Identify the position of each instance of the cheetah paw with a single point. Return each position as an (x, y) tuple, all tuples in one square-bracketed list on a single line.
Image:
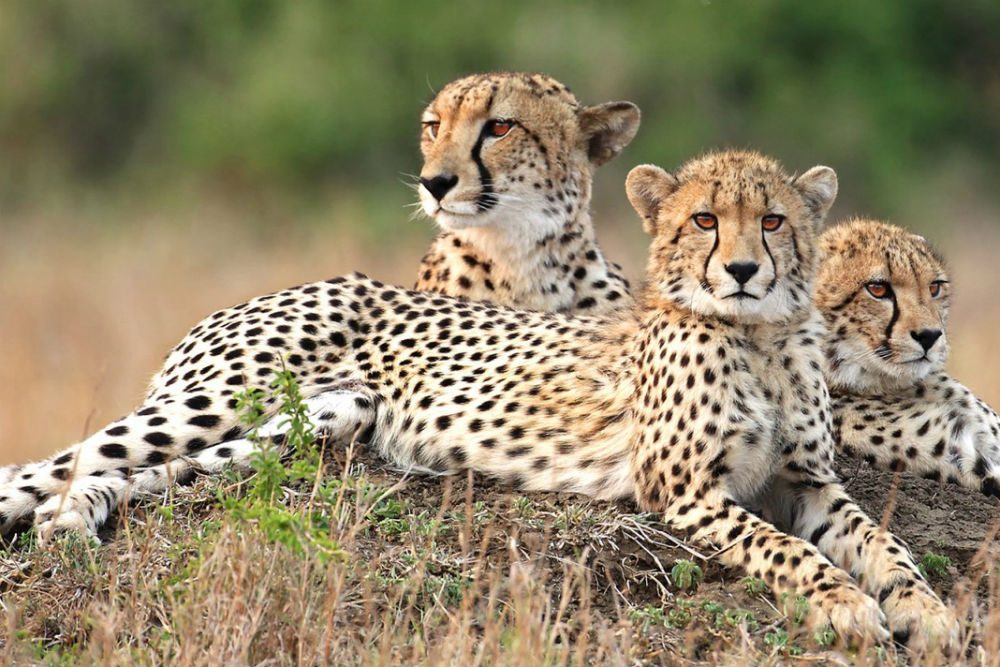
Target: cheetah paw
[(920, 621), (851, 613), (51, 521)]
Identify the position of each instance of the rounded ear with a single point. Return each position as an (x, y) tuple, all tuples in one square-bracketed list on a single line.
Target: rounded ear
[(608, 128), (819, 188), (648, 187)]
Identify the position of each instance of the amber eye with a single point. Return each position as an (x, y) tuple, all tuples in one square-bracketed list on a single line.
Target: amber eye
[(772, 222), (705, 221), (498, 128), (937, 287), (878, 289), (431, 128)]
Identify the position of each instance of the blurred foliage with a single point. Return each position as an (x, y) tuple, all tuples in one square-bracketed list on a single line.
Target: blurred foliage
[(307, 96)]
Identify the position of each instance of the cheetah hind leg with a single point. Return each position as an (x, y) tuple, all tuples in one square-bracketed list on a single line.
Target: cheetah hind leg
[(337, 415), (83, 507)]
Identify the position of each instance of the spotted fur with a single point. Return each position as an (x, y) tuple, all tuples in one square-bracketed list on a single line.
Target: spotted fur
[(514, 210), (895, 406), (708, 407)]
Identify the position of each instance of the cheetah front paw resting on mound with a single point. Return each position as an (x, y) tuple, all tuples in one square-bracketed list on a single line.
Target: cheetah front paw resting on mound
[(708, 407)]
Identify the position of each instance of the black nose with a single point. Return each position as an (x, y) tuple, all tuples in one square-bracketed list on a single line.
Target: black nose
[(926, 337), (742, 271), (439, 185)]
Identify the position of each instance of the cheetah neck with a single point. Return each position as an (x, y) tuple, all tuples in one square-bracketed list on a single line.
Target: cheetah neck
[(546, 273)]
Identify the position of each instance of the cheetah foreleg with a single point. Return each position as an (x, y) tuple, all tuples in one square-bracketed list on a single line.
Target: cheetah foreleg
[(825, 515), (940, 430), (788, 564)]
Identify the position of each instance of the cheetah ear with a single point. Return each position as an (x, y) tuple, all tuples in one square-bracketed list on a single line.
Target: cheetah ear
[(608, 128), (819, 188), (648, 187)]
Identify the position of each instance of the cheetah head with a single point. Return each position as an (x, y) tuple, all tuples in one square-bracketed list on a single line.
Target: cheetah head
[(884, 294), (733, 234), (509, 148)]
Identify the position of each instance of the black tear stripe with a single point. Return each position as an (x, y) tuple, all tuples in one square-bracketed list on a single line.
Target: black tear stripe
[(704, 274), (487, 199), (774, 266), (895, 304), (892, 320)]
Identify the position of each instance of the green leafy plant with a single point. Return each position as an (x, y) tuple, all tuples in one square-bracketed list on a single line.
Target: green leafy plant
[(933, 564), (686, 575), (754, 586), (302, 530)]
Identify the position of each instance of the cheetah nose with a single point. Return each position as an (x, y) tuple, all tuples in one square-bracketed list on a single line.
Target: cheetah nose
[(926, 337), (440, 185), (742, 271)]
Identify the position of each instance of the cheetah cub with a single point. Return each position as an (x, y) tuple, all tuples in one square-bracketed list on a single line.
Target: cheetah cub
[(708, 407), (509, 160), (884, 293)]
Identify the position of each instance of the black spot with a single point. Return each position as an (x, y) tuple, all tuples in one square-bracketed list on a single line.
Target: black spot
[(65, 458), (158, 439), (198, 402), (205, 421), (155, 458), (117, 430), (231, 434), (113, 451), (196, 445)]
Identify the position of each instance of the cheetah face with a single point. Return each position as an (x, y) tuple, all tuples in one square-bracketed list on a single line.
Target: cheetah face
[(515, 152), (884, 293), (733, 234)]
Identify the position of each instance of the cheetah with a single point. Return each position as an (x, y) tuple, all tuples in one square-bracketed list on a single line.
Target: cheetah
[(507, 175), (884, 293), (708, 406)]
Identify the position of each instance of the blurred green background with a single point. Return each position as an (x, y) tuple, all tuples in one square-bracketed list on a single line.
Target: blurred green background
[(311, 106)]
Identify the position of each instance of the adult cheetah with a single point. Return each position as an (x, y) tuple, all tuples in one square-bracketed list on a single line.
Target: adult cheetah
[(708, 404), (507, 176), (884, 293)]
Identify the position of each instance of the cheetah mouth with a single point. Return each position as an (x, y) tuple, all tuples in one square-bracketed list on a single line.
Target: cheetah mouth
[(741, 295), (918, 360), (441, 210)]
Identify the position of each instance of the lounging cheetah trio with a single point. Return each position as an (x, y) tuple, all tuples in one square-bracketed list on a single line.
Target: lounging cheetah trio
[(715, 395)]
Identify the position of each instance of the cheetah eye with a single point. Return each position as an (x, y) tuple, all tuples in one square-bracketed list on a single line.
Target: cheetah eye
[(431, 128), (496, 127), (878, 289), (705, 221), (937, 288), (772, 222)]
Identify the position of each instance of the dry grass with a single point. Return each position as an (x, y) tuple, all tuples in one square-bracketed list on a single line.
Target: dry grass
[(460, 575), (428, 572)]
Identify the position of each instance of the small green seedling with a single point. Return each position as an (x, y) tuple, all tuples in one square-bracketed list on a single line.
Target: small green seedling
[(686, 575), (933, 564), (754, 586)]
